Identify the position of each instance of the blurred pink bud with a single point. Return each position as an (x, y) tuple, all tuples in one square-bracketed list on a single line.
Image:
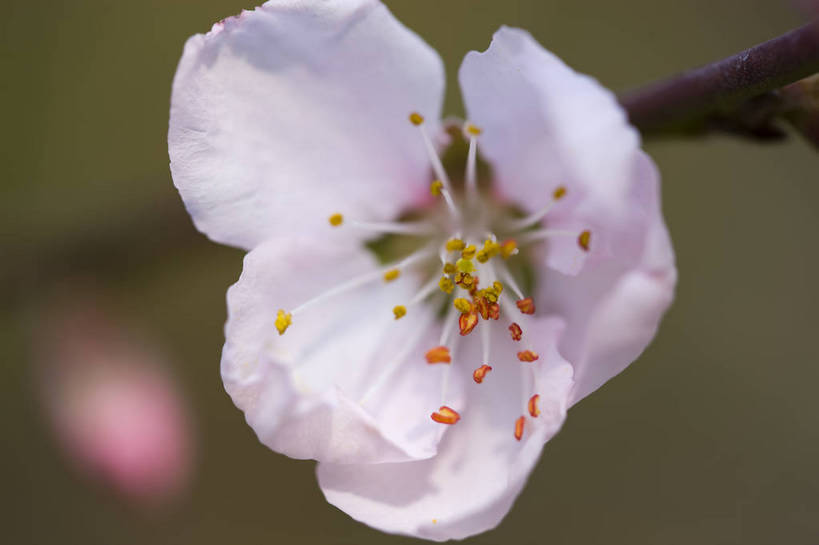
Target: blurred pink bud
[(117, 414)]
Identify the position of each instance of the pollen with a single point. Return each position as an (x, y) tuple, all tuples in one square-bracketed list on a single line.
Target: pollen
[(445, 415), (416, 119), (283, 321), (449, 268), (519, 427), (465, 280), (528, 356), (526, 306), (469, 252), (336, 220), (480, 373), (446, 285), (473, 130), (559, 193), (494, 311), (467, 322), (534, 410), (399, 311), (462, 304), (455, 245), (436, 187), (516, 331), (508, 248), (584, 239), (439, 354), (465, 265), (391, 275), (498, 286)]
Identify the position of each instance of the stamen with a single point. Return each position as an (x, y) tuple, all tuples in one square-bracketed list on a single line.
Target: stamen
[(469, 252), (436, 187), (454, 245), (283, 321), (463, 305), (519, 427), (336, 220), (399, 311), (449, 268), (465, 265), (584, 239), (391, 275), (393, 228), (446, 415), (526, 306), (534, 410), (528, 356), (439, 354), (471, 163), (516, 331), (480, 373), (364, 279), (530, 220), (437, 167), (446, 285)]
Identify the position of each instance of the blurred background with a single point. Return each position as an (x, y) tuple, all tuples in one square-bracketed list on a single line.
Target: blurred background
[(112, 305)]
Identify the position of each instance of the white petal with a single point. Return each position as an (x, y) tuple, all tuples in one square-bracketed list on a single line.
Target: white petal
[(613, 309), (480, 469), (346, 382), (547, 126), (297, 110)]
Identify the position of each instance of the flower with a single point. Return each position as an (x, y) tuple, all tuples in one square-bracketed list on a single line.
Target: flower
[(418, 331)]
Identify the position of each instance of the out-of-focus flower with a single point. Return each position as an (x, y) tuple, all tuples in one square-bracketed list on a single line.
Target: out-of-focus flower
[(420, 334), (117, 414)]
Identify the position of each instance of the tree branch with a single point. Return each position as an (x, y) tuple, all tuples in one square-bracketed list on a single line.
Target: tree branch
[(737, 94)]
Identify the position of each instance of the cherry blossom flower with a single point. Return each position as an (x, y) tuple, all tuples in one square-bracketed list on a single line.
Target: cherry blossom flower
[(419, 330)]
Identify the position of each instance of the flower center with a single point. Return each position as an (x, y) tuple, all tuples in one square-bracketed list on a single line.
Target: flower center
[(471, 248)]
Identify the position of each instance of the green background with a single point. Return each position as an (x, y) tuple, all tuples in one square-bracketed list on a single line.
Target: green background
[(711, 437)]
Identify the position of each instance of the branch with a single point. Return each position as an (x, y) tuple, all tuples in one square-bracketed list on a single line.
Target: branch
[(737, 94)]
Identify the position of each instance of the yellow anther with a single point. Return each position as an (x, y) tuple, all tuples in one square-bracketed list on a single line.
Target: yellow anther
[(584, 239), (462, 305), (482, 256), (464, 279), (436, 187), (391, 275), (559, 193), (465, 265), (455, 245), (336, 220), (446, 285), (472, 130), (449, 268), (498, 287), (416, 118), (400, 311), (508, 248), (468, 252), (490, 250), (283, 321)]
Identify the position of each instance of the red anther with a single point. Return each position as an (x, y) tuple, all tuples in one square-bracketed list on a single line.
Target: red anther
[(534, 410), (526, 306), (516, 331), (439, 354), (482, 306), (527, 355), (494, 310), (467, 322), (519, 427), (479, 373), (445, 415)]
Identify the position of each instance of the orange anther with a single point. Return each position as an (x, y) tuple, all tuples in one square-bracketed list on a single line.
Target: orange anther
[(445, 415), (416, 118), (527, 355), (519, 427), (494, 310), (479, 373), (508, 248), (584, 239), (439, 354), (516, 331), (526, 306), (467, 322), (482, 306), (534, 410)]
